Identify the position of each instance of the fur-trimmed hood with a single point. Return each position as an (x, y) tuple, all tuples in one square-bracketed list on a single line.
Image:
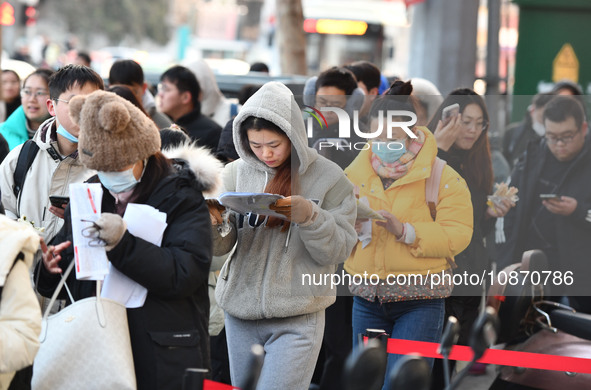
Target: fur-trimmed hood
[(203, 163)]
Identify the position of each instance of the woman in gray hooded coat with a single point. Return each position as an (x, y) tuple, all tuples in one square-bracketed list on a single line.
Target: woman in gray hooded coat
[(265, 287)]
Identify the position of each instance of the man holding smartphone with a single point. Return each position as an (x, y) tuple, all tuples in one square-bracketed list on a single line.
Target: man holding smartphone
[(555, 191), (56, 163)]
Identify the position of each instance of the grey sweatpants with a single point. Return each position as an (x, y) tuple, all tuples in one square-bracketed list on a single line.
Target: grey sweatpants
[(291, 349)]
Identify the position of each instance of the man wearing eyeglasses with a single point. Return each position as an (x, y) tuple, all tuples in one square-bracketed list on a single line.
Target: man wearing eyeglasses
[(554, 182), (55, 150)]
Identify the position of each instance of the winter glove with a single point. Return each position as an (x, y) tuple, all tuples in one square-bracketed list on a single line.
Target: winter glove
[(215, 211), (109, 228), (295, 208)]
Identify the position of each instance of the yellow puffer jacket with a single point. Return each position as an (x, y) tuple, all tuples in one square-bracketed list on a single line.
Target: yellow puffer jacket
[(405, 198)]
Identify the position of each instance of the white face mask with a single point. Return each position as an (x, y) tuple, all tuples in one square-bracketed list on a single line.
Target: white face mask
[(539, 128), (118, 182)]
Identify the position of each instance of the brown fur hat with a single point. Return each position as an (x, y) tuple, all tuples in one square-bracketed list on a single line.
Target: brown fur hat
[(113, 132)]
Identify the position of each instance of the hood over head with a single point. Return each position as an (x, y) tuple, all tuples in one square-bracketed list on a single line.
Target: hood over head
[(211, 94), (275, 103)]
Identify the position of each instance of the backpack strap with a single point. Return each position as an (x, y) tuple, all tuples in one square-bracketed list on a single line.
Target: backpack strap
[(25, 160), (432, 194)]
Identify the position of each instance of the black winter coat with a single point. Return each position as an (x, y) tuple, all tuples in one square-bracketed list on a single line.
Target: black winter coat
[(473, 259), (201, 129), (573, 232), (169, 333)]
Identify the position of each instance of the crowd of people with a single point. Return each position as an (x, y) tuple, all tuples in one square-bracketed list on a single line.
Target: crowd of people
[(388, 197)]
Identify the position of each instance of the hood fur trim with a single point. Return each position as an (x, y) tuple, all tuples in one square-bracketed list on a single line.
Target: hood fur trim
[(203, 163)]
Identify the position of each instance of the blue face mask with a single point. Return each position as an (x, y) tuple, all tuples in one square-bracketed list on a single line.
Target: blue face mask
[(64, 133), (388, 152), (118, 182)]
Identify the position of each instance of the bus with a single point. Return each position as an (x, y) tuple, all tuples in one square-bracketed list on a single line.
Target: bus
[(342, 31)]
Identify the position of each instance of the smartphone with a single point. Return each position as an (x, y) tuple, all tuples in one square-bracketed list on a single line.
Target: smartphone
[(449, 112), (58, 200), (549, 196)]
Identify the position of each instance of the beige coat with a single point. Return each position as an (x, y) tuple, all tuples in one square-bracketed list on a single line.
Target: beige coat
[(20, 316)]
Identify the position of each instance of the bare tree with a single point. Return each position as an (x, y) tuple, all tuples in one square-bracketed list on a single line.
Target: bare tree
[(291, 38)]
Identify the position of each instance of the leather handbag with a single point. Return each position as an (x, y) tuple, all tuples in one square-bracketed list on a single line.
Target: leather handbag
[(84, 346)]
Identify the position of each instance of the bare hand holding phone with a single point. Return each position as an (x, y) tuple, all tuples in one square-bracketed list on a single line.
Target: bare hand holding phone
[(449, 127), (561, 205)]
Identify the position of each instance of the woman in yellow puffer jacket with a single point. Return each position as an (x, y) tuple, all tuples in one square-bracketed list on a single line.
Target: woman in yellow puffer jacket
[(403, 263)]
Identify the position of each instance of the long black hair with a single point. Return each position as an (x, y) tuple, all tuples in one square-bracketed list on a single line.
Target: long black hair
[(156, 169)]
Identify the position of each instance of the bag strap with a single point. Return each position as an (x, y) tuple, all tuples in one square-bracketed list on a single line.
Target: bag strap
[(432, 194), (25, 160), (99, 306), (432, 186), (58, 289)]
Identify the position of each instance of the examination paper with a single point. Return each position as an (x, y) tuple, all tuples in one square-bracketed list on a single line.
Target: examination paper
[(85, 206), (149, 224), (249, 202)]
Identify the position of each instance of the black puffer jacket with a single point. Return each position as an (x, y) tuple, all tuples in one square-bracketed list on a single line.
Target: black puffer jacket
[(201, 129), (169, 333), (474, 258)]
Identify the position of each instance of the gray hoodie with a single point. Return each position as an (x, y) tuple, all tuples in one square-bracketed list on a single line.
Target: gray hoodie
[(263, 277)]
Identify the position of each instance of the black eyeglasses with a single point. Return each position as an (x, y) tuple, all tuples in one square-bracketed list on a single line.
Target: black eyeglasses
[(480, 126), (92, 232), (565, 139)]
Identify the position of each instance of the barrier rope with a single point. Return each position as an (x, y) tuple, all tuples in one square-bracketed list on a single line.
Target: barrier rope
[(493, 356)]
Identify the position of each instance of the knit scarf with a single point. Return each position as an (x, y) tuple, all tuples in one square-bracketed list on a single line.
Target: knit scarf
[(398, 168)]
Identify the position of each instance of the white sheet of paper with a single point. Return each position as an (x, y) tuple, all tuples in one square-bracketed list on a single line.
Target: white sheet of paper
[(147, 223), (85, 205), (365, 233)]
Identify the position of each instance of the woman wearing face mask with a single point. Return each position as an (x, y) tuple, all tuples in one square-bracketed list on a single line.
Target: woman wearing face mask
[(408, 246), (262, 286), (22, 124), (169, 332), (463, 142)]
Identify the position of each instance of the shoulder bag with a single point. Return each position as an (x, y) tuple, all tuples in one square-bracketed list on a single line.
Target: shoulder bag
[(84, 346)]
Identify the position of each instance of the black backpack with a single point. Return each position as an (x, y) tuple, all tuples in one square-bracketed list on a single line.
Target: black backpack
[(25, 160)]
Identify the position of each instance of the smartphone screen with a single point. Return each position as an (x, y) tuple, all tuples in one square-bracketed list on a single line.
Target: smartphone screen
[(450, 112), (549, 196)]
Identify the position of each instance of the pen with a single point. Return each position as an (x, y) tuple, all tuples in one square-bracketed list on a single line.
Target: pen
[(91, 201)]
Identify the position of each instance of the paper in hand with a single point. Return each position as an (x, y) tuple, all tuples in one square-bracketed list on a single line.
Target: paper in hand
[(365, 212), (366, 227), (89, 253), (250, 202), (149, 224)]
